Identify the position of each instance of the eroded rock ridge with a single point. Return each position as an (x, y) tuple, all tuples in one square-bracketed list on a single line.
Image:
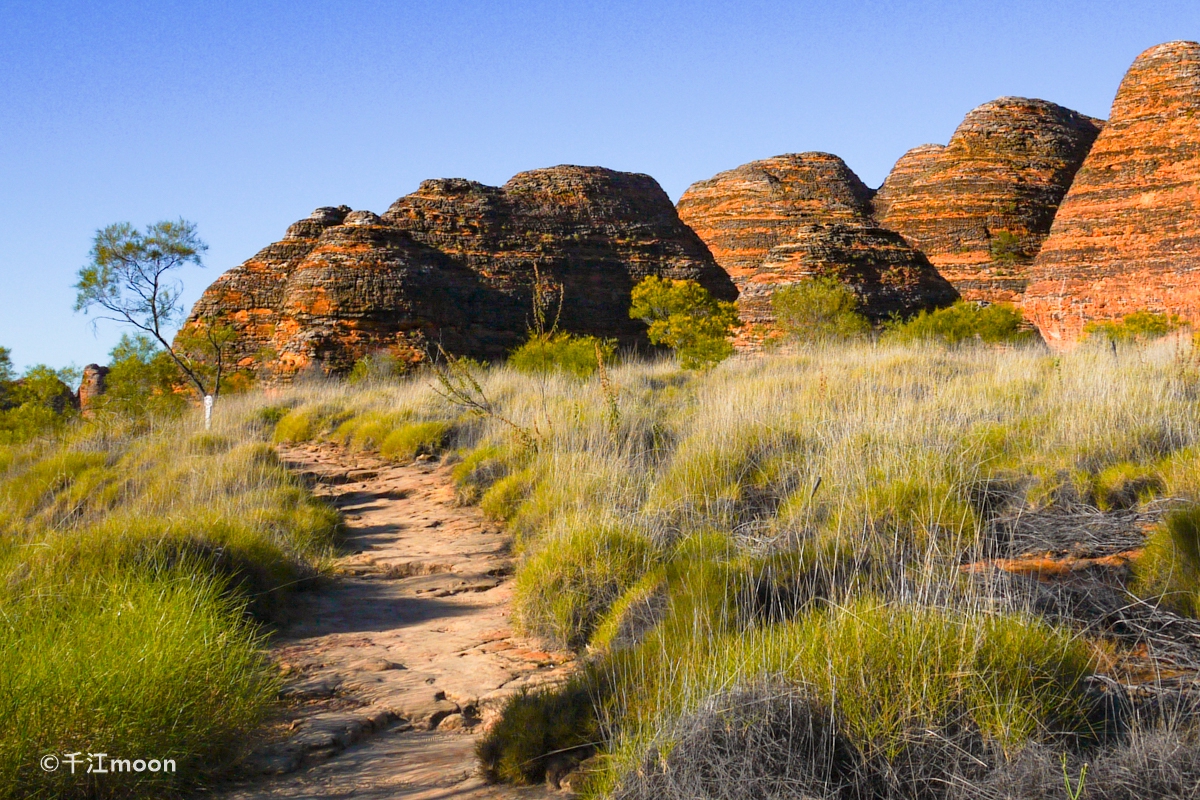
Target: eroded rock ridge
[(455, 264)]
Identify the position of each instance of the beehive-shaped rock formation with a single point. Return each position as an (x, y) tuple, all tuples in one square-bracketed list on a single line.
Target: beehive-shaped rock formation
[(888, 276), (455, 264), (782, 220), (980, 207), (1127, 236)]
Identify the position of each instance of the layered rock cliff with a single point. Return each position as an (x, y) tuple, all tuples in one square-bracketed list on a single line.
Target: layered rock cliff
[(980, 207), (455, 264), (1127, 236), (782, 220)]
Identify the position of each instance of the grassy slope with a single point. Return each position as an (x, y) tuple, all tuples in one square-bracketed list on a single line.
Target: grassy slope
[(856, 475), (773, 520), (131, 553)]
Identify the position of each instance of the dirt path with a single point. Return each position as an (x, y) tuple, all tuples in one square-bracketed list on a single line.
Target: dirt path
[(396, 665)]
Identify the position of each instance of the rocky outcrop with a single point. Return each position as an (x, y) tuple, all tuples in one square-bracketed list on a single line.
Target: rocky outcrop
[(455, 264), (980, 207), (91, 386), (888, 275), (1127, 236), (782, 220), (742, 213)]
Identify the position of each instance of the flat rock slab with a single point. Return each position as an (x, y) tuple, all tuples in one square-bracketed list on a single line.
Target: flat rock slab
[(396, 664)]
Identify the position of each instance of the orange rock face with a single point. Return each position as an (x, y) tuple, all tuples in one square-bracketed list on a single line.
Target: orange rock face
[(981, 206), (455, 264), (782, 220), (1127, 236)]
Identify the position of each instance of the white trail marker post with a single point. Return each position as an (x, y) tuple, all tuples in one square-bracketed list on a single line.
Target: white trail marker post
[(208, 404)]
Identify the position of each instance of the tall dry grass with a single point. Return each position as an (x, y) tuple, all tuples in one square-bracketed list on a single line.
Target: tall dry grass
[(700, 531)]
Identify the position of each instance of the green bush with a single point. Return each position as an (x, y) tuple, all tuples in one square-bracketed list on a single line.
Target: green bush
[(562, 352), (1170, 564), (1139, 326), (964, 321), (683, 316), (411, 440), (1006, 248), (136, 667), (537, 726), (819, 310), (564, 589), (141, 380), (39, 403)]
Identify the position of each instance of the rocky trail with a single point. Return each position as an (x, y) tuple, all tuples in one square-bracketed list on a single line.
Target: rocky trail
[(396, 664)]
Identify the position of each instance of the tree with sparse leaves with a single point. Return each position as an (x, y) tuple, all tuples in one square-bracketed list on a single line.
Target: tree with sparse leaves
[(131, 280)]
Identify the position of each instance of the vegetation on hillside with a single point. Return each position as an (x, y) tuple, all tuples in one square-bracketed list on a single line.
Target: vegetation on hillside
[(140, 557), (819, 310), (802, 522), (802, 539), (964, 321), (683, 316)]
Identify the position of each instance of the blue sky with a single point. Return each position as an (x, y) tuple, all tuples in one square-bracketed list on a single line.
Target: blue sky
[(243, 117)]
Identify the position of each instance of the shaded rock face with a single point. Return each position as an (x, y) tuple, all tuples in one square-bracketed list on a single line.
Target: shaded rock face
[(1127, 236), (888, 276), (782, 220), (455, 264), (980, 207)]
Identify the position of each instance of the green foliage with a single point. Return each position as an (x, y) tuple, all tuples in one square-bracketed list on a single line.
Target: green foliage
[(562, 352), (503, 498), (416, 438), (536, 726), (141, 379), (1006, 248), (819, 310), (39, 403), (683, 316), (1138, 326), (1170, 565), (134, 561), (306, 423), (962, 322), (135, 666), (6, 367), (564, 589), (1125, 485)]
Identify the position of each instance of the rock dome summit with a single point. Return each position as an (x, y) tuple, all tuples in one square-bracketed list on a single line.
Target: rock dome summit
[(1127, 237), (1071, 218)]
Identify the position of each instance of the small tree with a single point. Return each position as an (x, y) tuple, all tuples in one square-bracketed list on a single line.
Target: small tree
[(683, 316), (1005, 247), (819, 310), (130, 278)]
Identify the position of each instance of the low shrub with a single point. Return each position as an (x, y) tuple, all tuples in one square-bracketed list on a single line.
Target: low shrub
[(1170, 564), (307, 423), (562, 352), (1124, 485), (540, 733), (682, 315), (819, 310), (963, 322), (1138, 326), (139, 666), (414, 439), (564, 588)]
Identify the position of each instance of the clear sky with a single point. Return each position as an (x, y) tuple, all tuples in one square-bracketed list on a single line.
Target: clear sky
[(243, 117)]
